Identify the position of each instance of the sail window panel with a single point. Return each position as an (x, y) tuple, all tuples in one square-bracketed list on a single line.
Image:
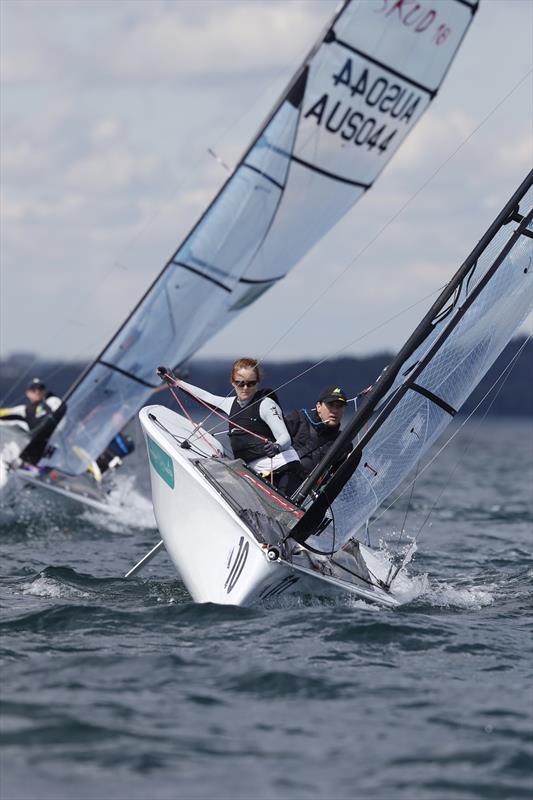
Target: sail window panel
[(484, 330), (302, 219), (272, 152), (225, 241), (180, 313), (386, 460), (94, 417), (417, 40)]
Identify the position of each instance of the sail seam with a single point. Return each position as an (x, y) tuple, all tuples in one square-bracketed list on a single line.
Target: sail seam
[(264, 280), (430, 92), (472, 7), (434, 398), (126, 374), (265, 176), (202, 275), (332, 175)]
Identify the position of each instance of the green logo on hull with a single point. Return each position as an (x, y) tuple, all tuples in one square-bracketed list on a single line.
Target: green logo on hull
[(161, 462)]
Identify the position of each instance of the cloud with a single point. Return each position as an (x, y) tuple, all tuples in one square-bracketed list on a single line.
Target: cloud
[(104, 130), (111, 169), (172, 45), (108, 111), (517, 154), (36, 209)]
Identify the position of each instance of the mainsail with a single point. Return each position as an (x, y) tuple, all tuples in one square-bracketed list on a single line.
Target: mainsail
[(415, 399), (355, 98)]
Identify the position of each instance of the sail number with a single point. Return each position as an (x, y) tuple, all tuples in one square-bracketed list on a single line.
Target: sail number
[(384, 97), (413, 15)]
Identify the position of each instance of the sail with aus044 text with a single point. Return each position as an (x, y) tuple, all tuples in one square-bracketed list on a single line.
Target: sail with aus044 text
[(357, 95), (417, 396)]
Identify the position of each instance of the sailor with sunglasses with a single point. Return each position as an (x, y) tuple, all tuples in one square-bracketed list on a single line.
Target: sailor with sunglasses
[(257, 430)]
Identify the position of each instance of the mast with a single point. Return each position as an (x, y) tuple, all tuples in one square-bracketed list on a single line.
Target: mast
[(307, 525)]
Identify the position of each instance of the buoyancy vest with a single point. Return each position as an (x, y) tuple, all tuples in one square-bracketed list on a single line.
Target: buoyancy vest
[(311, 438), (243, 444), (36, 413)]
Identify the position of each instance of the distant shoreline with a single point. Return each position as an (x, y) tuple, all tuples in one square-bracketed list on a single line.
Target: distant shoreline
[(512, 399)]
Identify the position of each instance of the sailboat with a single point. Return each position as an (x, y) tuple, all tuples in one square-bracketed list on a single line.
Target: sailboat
[(359, 92), (235, 540)]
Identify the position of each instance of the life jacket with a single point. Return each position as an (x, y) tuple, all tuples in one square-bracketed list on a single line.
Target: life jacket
[(36, 413), (243, 444), (311, 438)]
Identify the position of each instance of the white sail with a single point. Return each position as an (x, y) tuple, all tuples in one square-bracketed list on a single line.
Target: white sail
[(491, 303), (359, 92)]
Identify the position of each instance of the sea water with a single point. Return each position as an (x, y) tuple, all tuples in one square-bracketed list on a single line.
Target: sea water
[(122, 689)]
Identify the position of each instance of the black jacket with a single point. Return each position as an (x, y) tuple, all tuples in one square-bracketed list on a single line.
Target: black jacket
[(311, 438), (243, 444)]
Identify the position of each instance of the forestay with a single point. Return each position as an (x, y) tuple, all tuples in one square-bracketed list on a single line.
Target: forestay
[(357, 95), (492, 299)]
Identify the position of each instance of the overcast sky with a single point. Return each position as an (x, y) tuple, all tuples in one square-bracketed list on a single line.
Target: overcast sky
[(109, 108)]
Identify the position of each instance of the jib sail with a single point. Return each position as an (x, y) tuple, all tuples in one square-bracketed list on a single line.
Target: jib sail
[(430, 379)]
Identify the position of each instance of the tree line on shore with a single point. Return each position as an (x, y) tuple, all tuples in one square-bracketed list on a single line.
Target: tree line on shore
[(297, 382)]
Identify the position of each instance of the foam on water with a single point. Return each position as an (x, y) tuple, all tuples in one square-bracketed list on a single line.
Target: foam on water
[(128, 508), (444, 595), (44, 586)]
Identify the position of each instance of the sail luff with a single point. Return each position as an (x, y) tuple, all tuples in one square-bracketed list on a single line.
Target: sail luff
[(314, 514)]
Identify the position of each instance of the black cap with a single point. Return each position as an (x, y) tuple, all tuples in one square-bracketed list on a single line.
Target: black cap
[(36, 383), (332, 393)]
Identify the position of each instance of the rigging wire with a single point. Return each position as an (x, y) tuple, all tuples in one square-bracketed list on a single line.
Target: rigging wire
[(395, 216)]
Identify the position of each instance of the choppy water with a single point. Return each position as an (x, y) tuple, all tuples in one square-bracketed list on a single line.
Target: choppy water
[(127, 689)]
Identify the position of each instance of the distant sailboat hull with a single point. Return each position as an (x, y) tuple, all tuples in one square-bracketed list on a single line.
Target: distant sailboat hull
[(218, 556), (81, 489)]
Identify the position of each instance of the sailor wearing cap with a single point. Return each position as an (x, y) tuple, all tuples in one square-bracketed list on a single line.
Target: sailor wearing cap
[(313, 432), (40, 405)]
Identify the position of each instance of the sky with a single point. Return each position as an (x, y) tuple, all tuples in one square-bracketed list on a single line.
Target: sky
[(109, 111)]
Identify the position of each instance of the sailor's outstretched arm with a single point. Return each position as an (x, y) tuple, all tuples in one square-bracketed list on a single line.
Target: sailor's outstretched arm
[(224, 403), (14, 414)]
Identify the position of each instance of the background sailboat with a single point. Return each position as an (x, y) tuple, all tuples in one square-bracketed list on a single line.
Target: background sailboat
[(358, 93)]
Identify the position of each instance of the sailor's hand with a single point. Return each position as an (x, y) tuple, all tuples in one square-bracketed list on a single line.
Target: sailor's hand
[(271, 449)]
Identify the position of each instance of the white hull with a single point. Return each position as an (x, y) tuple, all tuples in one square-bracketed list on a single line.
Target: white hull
[(81, 489), (79, 495), (217, 555)]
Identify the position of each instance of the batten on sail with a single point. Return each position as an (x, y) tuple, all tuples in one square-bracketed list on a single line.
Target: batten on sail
[(359, 92)]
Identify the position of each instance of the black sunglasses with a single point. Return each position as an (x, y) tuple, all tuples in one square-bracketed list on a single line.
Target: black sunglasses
[(242, 384)]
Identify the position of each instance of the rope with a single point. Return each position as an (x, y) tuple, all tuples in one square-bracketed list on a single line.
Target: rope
[(168, 377), (188, 416)]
